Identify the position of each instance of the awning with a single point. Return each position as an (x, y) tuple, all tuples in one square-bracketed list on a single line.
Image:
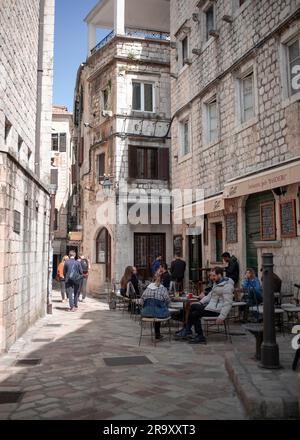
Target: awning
[(263, 181)]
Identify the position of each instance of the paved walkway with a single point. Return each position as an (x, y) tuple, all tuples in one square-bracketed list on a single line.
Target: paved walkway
[(74, 382)]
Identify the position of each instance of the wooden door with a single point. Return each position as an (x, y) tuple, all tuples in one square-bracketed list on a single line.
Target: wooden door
[(253, 228), (195, 258), (146, 247)]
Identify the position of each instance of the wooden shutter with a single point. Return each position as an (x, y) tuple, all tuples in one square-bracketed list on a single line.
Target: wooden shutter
[(63, 142), (74, 174), (100, 165), (54, 176), (163, 164), (81, 152), (132, 162)]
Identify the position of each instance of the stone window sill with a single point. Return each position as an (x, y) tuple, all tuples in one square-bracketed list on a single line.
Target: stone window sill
[(246, 125)]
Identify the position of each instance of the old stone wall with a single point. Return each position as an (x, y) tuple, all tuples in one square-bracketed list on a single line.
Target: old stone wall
[(24, 196)]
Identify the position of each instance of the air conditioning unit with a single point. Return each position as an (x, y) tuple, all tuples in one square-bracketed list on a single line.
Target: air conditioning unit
[(107, 113)]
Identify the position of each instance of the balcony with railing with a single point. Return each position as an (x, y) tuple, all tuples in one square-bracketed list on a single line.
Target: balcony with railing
[(134, 33), (132, 18)]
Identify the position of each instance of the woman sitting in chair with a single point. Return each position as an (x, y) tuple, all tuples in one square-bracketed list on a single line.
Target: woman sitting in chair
[(155, 301)]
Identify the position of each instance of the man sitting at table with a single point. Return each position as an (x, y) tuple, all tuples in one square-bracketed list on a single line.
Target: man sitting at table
[(217, 303), (252, 286)]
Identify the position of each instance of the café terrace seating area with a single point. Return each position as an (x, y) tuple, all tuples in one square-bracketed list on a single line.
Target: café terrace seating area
[(286, 311)]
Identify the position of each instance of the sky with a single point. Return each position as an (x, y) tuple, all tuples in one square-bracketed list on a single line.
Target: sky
[(70, 46)]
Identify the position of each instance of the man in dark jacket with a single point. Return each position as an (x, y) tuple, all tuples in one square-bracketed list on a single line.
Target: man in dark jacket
[(73, 275), (232, 269), (165, 276), (178, 267)]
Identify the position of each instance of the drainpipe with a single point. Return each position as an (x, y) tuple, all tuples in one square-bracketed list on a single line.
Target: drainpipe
[(39, 89)]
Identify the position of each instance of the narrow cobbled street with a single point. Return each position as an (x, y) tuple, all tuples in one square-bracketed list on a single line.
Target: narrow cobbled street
[(73, 381)]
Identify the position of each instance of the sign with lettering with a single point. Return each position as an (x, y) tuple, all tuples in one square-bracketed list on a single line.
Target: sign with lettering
[(288, 219), (267, 221), (231, 228)]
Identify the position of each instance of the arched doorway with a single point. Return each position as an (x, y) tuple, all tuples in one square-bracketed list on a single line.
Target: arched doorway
[(103, 251), (253, 225)]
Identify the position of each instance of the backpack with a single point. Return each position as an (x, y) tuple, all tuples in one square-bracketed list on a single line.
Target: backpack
[(75, 276), (85, 266)]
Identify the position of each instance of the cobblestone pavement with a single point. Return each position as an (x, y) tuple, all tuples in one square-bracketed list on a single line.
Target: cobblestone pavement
[(73, 382)]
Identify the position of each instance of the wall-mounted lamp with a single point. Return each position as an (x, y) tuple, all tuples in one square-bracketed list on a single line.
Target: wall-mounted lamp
[(87, 125)]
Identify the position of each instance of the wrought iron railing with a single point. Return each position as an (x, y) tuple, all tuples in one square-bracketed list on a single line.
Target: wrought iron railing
[(145, 33), (132, 32), (103, 42)]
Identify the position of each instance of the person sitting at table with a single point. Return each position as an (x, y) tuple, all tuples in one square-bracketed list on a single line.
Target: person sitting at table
[(252, 286), (165, 276), (155, 303), (217, 303)]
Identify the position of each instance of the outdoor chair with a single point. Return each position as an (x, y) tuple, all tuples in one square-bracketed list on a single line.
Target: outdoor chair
[(152, 321), (210, 322)]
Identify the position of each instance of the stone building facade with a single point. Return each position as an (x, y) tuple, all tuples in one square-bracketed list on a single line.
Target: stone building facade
[(26, 70), (61, 161), (122, 121), (236, 106)]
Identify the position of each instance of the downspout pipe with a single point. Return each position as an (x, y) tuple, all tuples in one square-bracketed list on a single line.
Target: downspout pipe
[(39, 89)]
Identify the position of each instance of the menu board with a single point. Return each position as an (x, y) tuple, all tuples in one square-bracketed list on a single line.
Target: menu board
[(231, 228), (288, 219), (178, 245), (267, 221)]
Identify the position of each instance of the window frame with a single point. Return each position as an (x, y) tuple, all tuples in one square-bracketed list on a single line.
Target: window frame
[(98, 166), (145, 176), (244, 72), (55, 135), (242, 98), (182, 124), (104, 98), (208, 140), (142, 96), (288, 67)]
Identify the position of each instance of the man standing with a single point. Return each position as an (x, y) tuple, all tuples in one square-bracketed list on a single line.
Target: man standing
[(232, 269), (85, 265), (156, 264), (73, 276), (178, 267)]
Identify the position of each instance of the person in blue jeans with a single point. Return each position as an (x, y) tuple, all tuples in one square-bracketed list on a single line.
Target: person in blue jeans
[(73, 275), (253, 289)]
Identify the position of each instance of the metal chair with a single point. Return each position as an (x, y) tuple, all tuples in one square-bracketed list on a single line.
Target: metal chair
[(152, 322), (210, 321)]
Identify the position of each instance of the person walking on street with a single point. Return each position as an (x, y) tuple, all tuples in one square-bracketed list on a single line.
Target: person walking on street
[(73, 275), (85, 273), (178, 267), (232, 269), (61, 278)]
